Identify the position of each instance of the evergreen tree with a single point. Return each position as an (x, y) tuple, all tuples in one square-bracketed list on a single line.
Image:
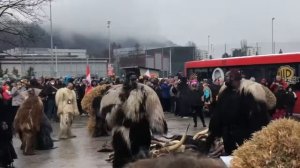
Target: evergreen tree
[(15, 72), (1, 72), (225, 55), (30, 72)]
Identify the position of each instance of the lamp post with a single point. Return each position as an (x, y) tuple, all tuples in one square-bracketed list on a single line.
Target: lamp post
[(170, 66), (273, 48), (51, 40), (108, 26), (208, 46), (56, 62)]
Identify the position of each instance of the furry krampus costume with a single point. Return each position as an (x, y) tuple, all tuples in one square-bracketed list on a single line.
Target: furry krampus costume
[(65, 99), (44, 140), (277, 145), (91, 104), (132, 110), (178, 161), (242, 108), (28, 120)]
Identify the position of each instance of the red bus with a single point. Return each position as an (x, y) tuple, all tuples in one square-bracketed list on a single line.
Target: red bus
[(257, 67)]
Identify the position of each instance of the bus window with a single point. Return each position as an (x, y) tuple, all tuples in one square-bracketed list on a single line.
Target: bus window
[(281, 69), (202, 73), (296, 86), (190, 71), (253, 71), (271, 72)]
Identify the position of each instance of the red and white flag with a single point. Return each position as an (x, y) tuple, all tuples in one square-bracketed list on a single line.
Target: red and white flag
[(110, 70), (88, 74), (89, 87), (147, 73)]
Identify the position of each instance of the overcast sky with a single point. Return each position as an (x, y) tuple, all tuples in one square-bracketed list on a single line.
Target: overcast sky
[(226, 21)]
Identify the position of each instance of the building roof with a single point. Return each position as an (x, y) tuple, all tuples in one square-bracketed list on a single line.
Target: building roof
[(129, 67), (170, 47)]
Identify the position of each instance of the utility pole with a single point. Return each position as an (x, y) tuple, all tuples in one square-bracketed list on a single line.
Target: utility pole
[(273, 47), (108, 26), (212, 49), (56, 68), (51, 31), (170, 66), (208, 46)]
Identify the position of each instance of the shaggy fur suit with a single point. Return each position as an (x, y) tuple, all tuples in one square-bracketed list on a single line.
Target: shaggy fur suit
[(66, 110), (132, 111)]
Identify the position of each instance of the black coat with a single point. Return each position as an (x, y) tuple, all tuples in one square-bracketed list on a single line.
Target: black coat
[(184, 100), (281, 99), (48, 91), (7, 151), (195, 97), (290, 99)]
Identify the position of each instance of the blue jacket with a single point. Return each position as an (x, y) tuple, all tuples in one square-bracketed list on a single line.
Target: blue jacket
[(165, 90)]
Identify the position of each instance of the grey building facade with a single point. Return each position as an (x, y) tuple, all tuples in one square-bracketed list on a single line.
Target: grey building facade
[(169, 60), (63, 62)]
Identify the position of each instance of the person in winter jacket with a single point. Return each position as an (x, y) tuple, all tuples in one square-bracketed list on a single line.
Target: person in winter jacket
[(196, 103), (290, 101), (166, 97), (7, 151)]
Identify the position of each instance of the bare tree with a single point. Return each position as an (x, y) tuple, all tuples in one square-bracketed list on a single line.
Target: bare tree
[(244, 47), (14, 14), (191, 44)]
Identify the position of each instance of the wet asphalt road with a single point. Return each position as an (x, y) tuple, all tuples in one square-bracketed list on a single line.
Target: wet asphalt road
[(81, 152)]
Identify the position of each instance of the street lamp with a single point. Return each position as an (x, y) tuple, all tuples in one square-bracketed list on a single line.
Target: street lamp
[(108, 26), (51, 40), (208, 45), (273, 48)]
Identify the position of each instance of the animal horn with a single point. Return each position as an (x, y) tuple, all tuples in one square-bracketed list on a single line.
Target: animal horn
[(177, 145), (201, 133)]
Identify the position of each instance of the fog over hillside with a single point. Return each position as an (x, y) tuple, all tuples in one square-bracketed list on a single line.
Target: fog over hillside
[(181, 21)]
